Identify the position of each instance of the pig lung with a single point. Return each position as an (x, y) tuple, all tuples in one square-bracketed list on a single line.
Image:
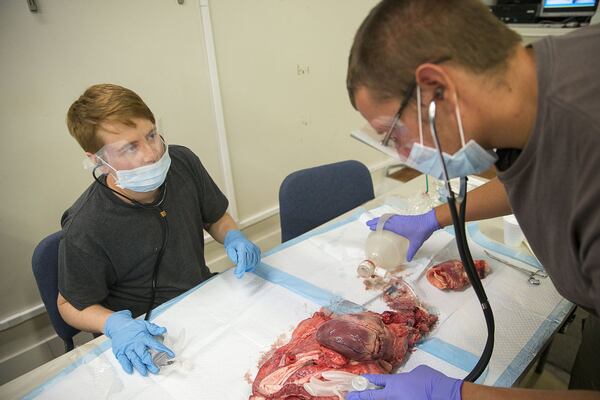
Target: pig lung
[(358, 343), (451, 274)]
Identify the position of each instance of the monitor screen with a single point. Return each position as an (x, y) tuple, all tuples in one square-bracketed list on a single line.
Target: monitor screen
[(568, 8)]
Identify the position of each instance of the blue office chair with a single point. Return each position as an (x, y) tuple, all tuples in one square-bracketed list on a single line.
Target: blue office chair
[(313, 196), (45, 269)]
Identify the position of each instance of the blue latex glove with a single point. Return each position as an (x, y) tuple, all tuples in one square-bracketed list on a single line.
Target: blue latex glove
[(131, 340), (422, 383), (416, 228), (244, 254)]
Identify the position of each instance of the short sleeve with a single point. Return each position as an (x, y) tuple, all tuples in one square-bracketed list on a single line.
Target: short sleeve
[(213, 203), (82, 275)]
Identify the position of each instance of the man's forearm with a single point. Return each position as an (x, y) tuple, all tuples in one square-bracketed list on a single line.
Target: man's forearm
[(219, 229), (90, 319), (471, 391), (487, 201)]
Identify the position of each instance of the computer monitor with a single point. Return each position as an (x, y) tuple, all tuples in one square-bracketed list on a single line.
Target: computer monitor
[(568, 8)]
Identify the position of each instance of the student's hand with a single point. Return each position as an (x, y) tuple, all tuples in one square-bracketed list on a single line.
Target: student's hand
[(244, 254), (422, 383), (416, 228), (131, 340)]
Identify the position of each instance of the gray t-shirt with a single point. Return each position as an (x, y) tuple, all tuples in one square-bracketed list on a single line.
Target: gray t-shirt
[(109, 247), (553, 183)]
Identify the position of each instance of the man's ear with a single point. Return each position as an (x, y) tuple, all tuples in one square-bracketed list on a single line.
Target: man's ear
[(95, 162), (436, 84)]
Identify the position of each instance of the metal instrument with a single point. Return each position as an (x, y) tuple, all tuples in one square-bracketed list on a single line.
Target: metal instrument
[(396, 284), (533, 275)]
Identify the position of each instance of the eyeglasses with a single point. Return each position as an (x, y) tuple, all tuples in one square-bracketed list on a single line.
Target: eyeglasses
[(125, 154), (408, 94)]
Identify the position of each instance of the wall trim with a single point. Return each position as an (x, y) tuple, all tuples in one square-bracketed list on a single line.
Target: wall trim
[(215, 88), (30, 347), (17, 318)]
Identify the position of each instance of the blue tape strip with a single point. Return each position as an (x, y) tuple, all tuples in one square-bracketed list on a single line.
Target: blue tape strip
[(453, 355), (478, 237), (84, 359), (450, 353), (482, 240), (307, 290), (541, 336)]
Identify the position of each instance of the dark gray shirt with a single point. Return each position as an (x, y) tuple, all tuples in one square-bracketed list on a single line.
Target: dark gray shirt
[(109, 247), (553, 184)]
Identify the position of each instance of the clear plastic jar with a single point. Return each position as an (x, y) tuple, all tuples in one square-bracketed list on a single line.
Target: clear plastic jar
[(384, 251)]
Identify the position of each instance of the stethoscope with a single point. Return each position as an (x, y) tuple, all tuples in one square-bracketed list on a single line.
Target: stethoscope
[(162, 214), (458, 220)]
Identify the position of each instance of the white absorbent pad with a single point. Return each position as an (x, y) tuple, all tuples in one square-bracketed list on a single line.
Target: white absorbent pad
[(220, 329), (219, 332), (525, 315)]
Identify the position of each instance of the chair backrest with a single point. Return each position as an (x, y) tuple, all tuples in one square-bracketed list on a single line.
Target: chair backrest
[(45, 269), (313, 196)]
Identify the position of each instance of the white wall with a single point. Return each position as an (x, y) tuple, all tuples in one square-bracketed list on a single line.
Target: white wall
[(282, 67)]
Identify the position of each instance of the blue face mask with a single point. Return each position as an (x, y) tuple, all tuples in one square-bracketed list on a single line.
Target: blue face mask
[(145, 178), (470, 159)]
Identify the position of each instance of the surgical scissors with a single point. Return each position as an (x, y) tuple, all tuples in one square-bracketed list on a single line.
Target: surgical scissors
[(532, 274)]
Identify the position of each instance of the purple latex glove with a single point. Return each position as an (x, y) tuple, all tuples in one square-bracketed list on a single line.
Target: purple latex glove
[(422, 383), (416, 228)]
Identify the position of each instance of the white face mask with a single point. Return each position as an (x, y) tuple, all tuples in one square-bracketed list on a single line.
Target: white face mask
[(470, 159), (145, 178)]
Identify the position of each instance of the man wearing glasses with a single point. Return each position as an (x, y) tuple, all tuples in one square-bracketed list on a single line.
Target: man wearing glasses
[(134, 239), (532, 111)]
